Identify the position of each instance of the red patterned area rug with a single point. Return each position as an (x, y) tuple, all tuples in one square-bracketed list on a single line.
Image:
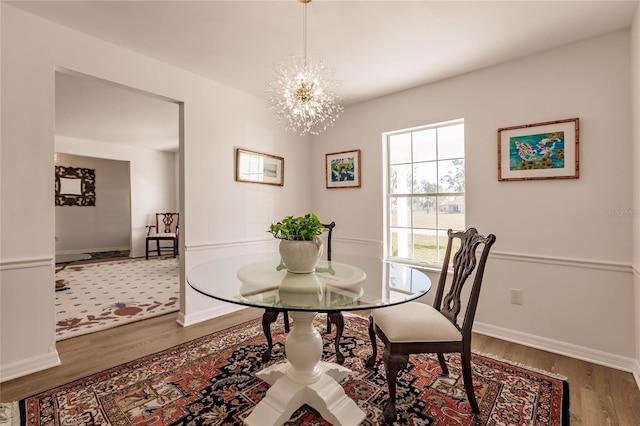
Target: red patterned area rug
[(211, 381)]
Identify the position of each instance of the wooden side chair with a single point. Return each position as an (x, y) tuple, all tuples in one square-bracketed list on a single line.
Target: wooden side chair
[(415, 327), (270, 315), (166, 228)]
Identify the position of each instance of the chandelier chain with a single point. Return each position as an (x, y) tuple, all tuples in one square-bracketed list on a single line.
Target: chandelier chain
[(304, 32)]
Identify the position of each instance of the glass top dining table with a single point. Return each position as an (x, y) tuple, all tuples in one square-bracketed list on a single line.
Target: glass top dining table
[(347, 283)]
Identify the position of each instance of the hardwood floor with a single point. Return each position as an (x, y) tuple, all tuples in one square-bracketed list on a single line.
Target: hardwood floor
[(599, 395)]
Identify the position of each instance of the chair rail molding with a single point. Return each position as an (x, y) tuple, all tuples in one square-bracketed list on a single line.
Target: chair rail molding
[(25, 263), (568, 262), (273, 242), (228, 244)]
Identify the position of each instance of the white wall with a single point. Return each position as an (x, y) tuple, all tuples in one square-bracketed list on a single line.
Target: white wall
[(153, 178), (635, 113), (556, 239), (104, 226), (216, 211)]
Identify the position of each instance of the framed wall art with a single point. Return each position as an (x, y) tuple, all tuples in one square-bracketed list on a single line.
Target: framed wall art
[(75, 186), (343, 169), (256, 167), (548, 150)]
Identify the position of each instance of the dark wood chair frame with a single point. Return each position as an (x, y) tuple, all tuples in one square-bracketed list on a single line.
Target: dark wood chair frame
[(395, 356), (270, 315), (164, 225)]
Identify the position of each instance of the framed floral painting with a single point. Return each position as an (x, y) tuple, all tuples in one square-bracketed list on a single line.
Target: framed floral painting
[(548, 150), (343, 169)]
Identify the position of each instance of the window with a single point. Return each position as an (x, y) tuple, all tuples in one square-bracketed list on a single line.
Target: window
[(425, 190)]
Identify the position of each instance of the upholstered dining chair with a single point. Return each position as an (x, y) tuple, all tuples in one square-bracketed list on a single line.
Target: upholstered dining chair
[(270, 315), (416, 327), (166, 228)]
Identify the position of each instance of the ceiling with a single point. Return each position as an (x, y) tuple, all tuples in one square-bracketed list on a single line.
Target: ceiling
[(89, 109), (375, 47)]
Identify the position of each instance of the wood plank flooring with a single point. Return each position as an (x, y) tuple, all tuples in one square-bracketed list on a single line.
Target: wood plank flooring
[(599, 396)]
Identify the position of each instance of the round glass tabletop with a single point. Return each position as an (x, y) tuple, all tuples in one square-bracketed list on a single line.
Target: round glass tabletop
[(345, 284)]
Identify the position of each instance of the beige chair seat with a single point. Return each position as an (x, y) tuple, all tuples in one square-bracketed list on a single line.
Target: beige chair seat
[(415, 322), (167, 235)]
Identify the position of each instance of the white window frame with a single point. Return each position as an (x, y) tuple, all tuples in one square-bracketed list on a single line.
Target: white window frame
[(388, 196)]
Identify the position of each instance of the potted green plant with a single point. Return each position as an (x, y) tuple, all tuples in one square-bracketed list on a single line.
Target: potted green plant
[(300, 242)]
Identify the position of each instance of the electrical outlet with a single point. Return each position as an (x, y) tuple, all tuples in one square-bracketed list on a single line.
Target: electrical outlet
[(516, 296)]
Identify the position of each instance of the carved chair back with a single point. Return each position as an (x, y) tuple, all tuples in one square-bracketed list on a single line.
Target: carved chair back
[(167, 223), (466, 266)]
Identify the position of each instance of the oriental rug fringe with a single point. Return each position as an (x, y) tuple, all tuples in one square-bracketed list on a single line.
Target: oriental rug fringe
[(211, 381)]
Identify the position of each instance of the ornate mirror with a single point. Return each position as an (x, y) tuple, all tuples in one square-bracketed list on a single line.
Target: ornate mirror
[(75, 186)]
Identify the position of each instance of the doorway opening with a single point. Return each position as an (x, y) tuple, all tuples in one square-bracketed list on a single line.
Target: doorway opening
[(131, 140)]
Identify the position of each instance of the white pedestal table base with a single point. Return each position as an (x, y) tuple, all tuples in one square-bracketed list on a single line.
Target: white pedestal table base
[(304, 379)]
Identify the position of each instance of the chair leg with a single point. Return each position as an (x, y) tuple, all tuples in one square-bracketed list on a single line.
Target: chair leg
[(465, 356), (146, 252), (338, 320), (371, 361), (268, 318), (443, 364), (158, 247), (286, 321), (393, 363)]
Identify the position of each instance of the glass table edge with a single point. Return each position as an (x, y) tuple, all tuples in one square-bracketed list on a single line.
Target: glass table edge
[(253, 304)]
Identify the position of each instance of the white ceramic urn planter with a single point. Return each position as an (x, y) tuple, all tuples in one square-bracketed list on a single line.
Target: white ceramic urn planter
[(301, 257)]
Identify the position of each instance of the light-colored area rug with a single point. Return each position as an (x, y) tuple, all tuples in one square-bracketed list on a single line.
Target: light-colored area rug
[(108, 294)]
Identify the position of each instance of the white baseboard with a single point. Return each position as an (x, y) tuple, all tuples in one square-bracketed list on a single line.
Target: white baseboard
[(562, 348), (93, 250), (636, 373), (207, 314), (29, 366)]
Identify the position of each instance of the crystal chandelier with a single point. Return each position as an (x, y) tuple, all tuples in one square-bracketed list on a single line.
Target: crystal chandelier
[(302, 91)]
